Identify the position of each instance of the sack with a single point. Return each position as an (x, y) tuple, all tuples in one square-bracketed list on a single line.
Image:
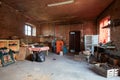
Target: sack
[(33, 57), (65, 50), (40, 57)]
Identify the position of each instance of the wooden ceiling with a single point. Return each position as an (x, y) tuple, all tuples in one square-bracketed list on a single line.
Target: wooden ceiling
[(74, 12)]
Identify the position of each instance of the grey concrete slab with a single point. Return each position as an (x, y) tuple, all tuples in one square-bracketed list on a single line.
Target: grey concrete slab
[(55, 67)]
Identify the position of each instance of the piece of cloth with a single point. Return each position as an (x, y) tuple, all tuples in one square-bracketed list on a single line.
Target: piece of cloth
[(65, 49), (59, 45), (39, 49)]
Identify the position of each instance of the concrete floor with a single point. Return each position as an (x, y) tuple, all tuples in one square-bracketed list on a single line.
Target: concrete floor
[(63, 68)]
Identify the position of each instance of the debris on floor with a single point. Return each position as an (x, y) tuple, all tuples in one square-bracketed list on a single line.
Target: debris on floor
[(37, 77), (54, 58), (106, 70), (77, 57)]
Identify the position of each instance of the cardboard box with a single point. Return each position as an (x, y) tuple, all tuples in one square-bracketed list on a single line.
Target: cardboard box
[(77, 57)]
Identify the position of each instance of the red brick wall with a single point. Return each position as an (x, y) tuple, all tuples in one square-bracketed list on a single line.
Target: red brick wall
[(88, 27), (12, 23)]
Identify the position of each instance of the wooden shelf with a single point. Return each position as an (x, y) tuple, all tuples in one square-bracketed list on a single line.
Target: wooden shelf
[(108, 26), (10, 44)]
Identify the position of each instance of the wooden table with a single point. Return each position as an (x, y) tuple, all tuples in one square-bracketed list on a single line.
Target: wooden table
[(46, 48)]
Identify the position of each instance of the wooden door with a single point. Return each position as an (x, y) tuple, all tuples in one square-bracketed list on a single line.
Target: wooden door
[(74, 41)]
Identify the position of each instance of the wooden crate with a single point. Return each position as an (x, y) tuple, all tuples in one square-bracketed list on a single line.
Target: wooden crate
[(116, 72), (113, 61), (22, 53), (102, 71), (77, 57)]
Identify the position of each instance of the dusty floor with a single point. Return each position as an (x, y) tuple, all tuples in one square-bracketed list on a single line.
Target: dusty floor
[(54, 68)]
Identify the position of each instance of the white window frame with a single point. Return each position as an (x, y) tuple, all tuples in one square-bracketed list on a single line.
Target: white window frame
[(106, 24), (30, 30)]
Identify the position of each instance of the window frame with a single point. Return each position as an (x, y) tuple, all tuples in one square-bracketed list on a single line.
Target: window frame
[(104, 29), (29, 29)]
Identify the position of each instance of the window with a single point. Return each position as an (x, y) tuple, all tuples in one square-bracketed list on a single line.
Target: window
[(104, 33), (30, 30)]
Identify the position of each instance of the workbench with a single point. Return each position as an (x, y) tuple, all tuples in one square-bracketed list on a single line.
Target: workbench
[(106, 54), (39, 49)]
